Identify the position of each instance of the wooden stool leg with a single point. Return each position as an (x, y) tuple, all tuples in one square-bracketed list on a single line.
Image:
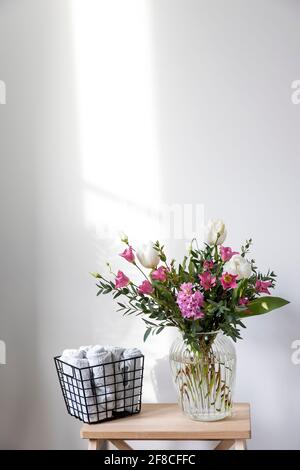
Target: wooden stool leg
[(240, 444), (225, 445), (120, 445), (95, 444)]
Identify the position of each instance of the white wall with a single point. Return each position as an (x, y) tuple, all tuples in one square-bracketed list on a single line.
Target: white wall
[(114, 108)]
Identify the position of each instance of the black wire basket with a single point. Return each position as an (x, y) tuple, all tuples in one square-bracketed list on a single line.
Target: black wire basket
[(102, 392)]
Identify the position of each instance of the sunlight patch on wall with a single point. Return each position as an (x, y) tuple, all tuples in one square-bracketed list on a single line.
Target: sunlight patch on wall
[(118, 142)]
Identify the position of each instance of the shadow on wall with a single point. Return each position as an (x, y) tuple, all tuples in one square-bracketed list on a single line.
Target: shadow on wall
[(42, 222)]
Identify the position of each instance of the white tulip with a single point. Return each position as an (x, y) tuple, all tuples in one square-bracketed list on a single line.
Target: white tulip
[(239, 266), (215, 232), (147, 255)]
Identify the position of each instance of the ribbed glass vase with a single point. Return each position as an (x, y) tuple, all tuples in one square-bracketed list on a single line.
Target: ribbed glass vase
[(204, 376)]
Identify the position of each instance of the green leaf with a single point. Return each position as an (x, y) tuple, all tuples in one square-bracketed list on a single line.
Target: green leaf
[(149, 322), (262, 305), (117, 294), (191, 268), (159, 330), (147, 333), (237, 293)]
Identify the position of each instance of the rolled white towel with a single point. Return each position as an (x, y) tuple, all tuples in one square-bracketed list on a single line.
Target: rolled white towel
[(103, 378), (132, 367), (97, 348), (116, 354), (69, 380), (85, 348), (77, 354), (79, 391)]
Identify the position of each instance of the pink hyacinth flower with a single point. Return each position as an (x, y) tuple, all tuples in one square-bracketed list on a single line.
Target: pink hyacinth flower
[(262, 286), (145, 288), (121, 280), (159, 274), (228, 281), (207, 281), (187, 288), (208, 264), (190, 302), (128, 254), (227, 253)]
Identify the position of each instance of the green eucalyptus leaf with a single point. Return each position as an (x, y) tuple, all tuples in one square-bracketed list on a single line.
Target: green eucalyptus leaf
[(149, 322), (159, 330), (117, 294), (147, 333)]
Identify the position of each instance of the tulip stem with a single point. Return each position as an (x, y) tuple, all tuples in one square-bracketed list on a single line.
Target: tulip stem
[(141, 270), (216, 251)]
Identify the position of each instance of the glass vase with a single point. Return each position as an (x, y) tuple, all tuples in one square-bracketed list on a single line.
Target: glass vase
[(204, 376)]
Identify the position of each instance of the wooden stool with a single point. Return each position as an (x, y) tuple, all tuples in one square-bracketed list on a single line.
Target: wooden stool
[(167, 422)]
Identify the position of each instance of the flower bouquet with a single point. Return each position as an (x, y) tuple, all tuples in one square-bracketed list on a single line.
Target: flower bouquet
[(206, 297)]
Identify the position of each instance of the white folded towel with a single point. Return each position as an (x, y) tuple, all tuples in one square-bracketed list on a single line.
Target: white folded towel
[(132, 368), (103, 378), (79, 391)]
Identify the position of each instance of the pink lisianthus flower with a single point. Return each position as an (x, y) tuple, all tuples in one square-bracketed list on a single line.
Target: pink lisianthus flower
[(243, 301), (228, 281), (121, 280), (227, 253), (190, 302), (262, 286), (145, 288), (208, 264), (207, 281), (128, 254), (159, 274)]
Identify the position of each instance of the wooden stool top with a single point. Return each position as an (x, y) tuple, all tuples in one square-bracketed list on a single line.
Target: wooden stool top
[(165, 421)]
